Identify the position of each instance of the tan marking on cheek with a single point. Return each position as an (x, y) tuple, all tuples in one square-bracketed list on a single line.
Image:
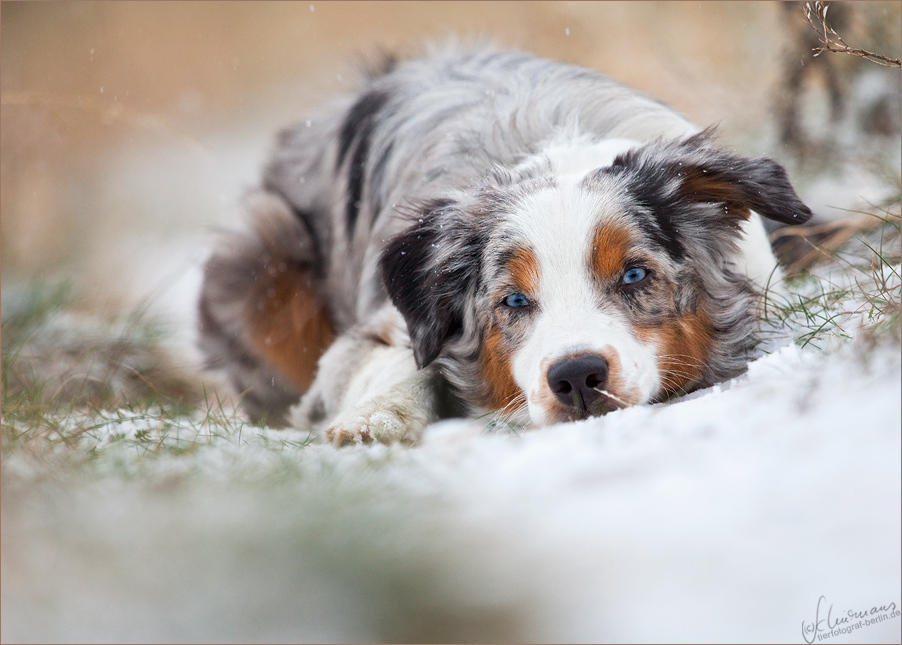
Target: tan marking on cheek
[(289, 326), (610, 248), (524, 270), (500, 387), (683, 344)]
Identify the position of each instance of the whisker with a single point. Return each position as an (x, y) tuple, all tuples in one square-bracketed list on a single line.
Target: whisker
[(674, 372), (668, 358), (510, 417), (687, 356), (671, 386), (696, 358), (517, 400), (513, 407)]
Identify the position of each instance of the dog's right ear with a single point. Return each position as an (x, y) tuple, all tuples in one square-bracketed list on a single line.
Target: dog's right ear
[(427, 270)]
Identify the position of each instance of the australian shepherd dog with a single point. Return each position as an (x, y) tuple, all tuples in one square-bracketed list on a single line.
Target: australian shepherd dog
[(481, 231)]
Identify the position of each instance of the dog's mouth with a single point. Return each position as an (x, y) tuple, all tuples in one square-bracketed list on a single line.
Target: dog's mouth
[(579, 409)]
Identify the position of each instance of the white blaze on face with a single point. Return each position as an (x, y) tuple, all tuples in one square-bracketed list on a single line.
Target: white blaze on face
[(559, 225)]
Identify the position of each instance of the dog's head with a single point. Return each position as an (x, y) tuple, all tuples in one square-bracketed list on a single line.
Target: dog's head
[(578, 297)]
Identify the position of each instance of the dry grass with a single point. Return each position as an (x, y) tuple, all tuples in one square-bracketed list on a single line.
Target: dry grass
[(844, 282)]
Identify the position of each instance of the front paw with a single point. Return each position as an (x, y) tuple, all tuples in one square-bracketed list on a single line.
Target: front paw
[(379, 419)]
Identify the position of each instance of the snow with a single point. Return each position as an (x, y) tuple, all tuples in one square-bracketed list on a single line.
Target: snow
[(720, 518)]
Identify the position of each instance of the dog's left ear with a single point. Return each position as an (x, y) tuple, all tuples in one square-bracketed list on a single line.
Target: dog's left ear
[(706, 174), (427, 270)]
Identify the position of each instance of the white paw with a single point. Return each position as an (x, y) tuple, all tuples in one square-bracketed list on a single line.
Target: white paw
[(379, 419)]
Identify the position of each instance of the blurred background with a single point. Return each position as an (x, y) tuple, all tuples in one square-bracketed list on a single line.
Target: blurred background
[(129, 129)]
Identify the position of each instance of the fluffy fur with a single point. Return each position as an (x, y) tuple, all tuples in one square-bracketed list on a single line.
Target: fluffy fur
[(488, 231)]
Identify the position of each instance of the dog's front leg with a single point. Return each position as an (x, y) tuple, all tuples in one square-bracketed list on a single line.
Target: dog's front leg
[(368, 387)]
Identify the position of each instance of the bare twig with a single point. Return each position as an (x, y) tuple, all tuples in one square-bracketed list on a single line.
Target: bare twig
[(611, 395), (833, 42)]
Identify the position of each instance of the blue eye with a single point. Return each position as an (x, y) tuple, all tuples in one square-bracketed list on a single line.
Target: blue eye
[(634, 275), (516, 300)]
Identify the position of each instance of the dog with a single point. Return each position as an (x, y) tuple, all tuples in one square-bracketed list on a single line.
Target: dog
[(485, 231)]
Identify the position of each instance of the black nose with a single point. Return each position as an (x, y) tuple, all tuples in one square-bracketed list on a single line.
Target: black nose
[(576, 382)]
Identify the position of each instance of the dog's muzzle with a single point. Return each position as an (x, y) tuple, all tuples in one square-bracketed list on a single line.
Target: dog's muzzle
[(580, 384)]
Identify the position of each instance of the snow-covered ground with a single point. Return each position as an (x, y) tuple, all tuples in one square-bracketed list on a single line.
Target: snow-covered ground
[(724, 517)]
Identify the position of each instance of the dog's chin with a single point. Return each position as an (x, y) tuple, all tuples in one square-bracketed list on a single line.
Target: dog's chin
[(559, 413)]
